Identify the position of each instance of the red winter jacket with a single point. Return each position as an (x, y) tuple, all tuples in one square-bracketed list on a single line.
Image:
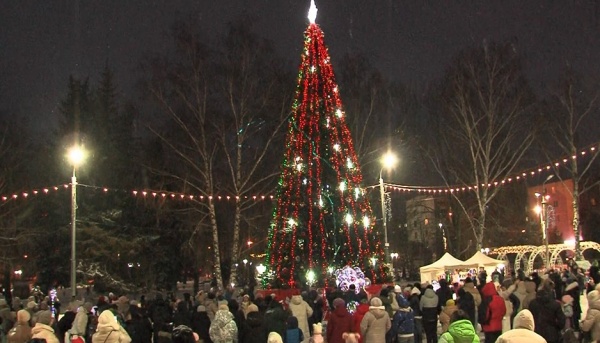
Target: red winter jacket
[(340, 321), (360, 312), (496, 309)]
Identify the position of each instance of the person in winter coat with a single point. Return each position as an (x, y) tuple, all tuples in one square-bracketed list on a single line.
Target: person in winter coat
[(520, 291), (223, 328), (138, 326), (80, 322), (547, 313), (275, 319), (465, 302), (317, 303), (340, 321), (253, 331), (182, 315), (201, 323), (494, 312), (160, 314), (523, 330), (469, 287), (384, 296), (572, 289), (446, 314), (461, 330), (359, 314), (21, 332), (530, 290), (274, 337), (591, 323), (65, 322), (376, 323), (43, 328), (403, 323), (444, 293), (428, 306), (109, 330), (302, 311), (414, 301), (293, 334), (507, 320)]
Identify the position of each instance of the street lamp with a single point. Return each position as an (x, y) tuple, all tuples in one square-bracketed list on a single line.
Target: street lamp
[(444, 239), (388, 160), (76, 156), (544, 217)]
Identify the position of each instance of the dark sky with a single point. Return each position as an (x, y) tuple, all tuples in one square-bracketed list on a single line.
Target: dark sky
[(411, 41)]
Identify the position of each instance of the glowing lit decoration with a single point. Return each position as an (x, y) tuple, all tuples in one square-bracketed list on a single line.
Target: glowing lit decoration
[(312, 12), (321, 196), (366, 222), (350, 276), (53, 301), (349, 219), (291, 222), (351, 306)]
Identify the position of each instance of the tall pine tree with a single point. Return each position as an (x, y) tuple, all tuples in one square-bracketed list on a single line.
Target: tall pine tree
[(322, 220)]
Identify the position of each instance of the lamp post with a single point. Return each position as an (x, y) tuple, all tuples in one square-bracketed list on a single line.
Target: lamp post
[(388, 161), (76, 155), (544, 217)]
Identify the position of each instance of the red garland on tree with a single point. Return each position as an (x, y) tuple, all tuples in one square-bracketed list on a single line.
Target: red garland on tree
[(323, 220)]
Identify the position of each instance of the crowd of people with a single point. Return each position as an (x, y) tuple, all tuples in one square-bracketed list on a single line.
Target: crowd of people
[(512, 309)]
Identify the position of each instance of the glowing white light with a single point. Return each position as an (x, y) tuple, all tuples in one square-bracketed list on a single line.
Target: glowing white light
[(343, 186), (349, 219), (320, 201), (312, 12), (310, 277), (335, 89), (339, 113), (327, 124), (366, 222), (537, 209), (291, 222), (350, 164), (261, 269), (312, 69), (305, 181), (330, 270), (336, 147), (299, 166), (356, 192)]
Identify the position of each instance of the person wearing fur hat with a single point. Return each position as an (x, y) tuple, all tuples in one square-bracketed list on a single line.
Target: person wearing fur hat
[(109, 330), (223, 329), (447, 313), (43, 328), (274, 337), (376, 323), (469, 286), (547, 313), (591, 324), (302, 311), (21, 332), (340, 321), (523, 330)]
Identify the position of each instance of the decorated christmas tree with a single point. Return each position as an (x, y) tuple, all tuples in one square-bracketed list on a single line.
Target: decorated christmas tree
[(322, 221)]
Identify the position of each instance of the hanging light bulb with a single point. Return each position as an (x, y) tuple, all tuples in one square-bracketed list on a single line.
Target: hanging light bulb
[(339, 113), (366, 222), (336, 147), (349, 163), (349, 218), (356, 192), (320, 201), (343, 186)]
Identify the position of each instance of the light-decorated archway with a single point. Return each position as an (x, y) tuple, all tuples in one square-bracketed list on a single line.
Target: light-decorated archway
[(526, 254)]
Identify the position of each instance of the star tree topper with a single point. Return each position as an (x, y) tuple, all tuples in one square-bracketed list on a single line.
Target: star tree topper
[(312, 12)]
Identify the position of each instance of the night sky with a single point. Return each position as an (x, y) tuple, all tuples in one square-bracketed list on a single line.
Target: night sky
[(41, 43)]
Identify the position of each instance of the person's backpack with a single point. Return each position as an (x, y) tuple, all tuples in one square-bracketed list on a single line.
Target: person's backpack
[(482, 311)]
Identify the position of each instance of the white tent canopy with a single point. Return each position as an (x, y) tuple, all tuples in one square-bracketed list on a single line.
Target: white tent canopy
[(482, 260), (432, 271)]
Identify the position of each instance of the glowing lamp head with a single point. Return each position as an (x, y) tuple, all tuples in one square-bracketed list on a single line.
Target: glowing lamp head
[(537, 209), (76, 155), (389, 160)]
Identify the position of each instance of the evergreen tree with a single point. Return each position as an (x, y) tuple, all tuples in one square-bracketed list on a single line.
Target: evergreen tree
[(322, 219)]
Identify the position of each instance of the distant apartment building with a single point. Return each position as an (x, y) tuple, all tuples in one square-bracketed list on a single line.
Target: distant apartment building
[(559, 209), (424, 214)]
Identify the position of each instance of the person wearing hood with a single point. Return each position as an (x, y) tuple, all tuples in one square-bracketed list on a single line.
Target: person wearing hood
[(403, 323), (376, 323), (293, 334), (302, 311), (461, 330), (138, 327), (572, 289), (109, 330), (80, 322), (444, 293), (428, 306), (414, 302), (520, 291), (340, 321), (547, 313), (530, 293), (359, 314), (21, 332), (223, 328), (523, 330), (494, 312), (201, 323), (43, 327), (465, 302), (275, 319), (253, 331), (469, 287), (591, 323), (446, 314)]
